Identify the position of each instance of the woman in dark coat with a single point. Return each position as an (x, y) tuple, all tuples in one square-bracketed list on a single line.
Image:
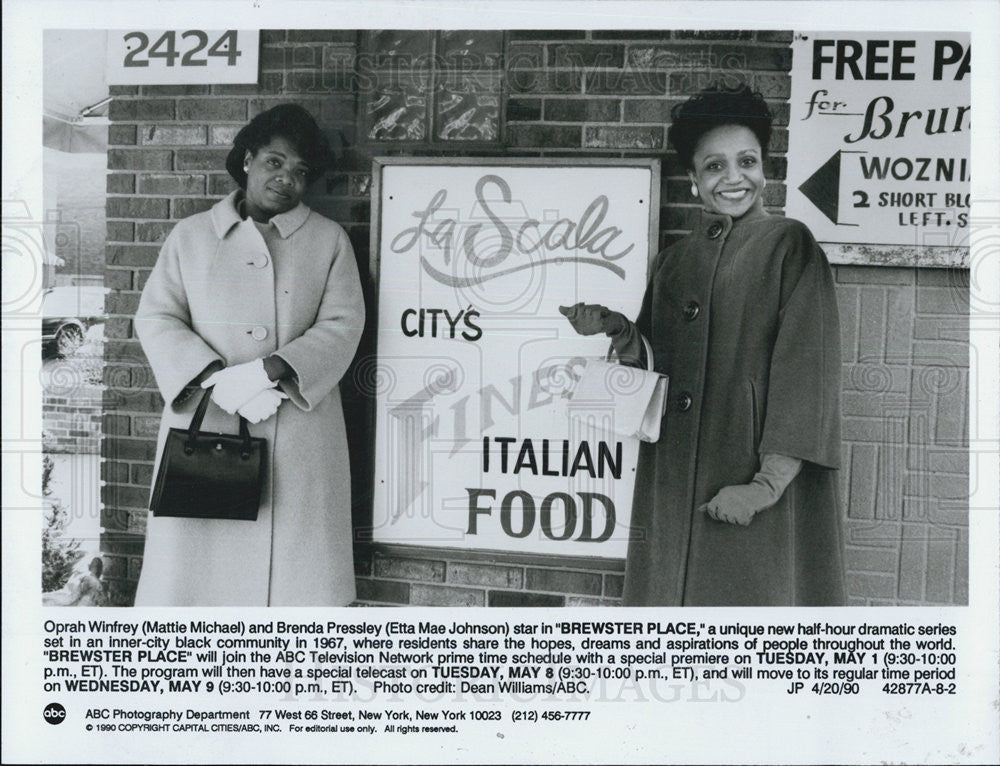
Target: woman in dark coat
[(737, 503)]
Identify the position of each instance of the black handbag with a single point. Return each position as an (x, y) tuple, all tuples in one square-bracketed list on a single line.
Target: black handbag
[(209, 475)]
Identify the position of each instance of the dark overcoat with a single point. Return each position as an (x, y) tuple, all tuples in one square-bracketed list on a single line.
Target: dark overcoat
[(742, 317), (219, 292)]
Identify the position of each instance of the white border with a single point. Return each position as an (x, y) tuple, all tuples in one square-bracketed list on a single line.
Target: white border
[(910, 729)]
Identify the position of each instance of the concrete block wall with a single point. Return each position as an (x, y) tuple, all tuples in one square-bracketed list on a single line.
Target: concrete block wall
[(905, 433), (563, 93)]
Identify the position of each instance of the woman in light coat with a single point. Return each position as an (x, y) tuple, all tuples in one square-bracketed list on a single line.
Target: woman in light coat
[(259, 299)]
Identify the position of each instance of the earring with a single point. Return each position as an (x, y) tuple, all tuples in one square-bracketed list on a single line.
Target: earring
[(694, 189), (246, 168)]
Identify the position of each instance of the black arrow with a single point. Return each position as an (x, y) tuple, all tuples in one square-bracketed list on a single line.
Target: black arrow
[(822, 188)]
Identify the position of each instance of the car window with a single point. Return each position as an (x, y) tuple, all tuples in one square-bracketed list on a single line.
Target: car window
[(83, 301)]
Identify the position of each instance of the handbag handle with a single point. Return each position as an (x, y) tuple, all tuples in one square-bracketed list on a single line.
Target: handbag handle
[(199, 416), (645, 344)]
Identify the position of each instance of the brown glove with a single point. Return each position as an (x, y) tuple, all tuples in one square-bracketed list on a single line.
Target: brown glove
[(738, 504), (592, 318)]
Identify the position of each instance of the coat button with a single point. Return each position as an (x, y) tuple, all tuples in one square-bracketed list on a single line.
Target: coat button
[(259, 260), (683, 402), (258, 333), (714, 230), (691, 311)]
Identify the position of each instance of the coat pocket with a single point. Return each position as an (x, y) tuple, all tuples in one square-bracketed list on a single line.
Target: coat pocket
[(755, 417)]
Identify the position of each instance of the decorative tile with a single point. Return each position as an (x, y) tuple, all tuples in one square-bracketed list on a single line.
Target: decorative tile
[(471, 49), (462, 105), (467, 108), (397, 109), (361, 185), (389, 44)]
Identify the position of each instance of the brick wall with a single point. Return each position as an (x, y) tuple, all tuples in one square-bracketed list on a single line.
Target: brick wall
[(421, 578), (562, 93), (72, 422)]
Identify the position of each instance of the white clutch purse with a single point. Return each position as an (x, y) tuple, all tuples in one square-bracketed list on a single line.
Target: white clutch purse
[(629, 401)]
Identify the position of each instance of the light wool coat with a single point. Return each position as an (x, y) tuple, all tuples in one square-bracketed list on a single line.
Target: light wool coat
[(742, 316), (218, 293)]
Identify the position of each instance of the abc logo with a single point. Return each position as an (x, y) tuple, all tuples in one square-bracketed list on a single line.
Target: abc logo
[(54, 713)]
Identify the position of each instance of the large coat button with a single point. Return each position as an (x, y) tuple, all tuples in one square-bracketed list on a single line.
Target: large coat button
[(258, 333), (691, 311), (714, 230), (259, 260), (683, 401)]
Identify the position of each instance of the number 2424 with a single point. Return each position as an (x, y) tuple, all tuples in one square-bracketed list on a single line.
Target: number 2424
[(166, 48)]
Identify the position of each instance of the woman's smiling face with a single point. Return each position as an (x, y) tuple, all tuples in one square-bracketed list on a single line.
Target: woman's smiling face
[(276, 179), (729, 170)]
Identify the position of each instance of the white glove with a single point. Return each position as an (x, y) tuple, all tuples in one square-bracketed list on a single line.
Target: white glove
[(262, 406), (237, 385)]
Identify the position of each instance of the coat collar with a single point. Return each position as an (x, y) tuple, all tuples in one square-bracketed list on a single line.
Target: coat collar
[(716, 225), (225, 215)]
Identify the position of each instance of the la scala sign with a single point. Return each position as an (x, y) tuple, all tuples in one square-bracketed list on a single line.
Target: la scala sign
[(478, 442)]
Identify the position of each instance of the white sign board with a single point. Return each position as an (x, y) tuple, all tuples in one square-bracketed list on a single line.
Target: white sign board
[(879, 137), (475, 446), (182, 56)]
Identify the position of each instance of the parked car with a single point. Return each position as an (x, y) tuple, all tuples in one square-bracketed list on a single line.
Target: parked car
[(67, 314)]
